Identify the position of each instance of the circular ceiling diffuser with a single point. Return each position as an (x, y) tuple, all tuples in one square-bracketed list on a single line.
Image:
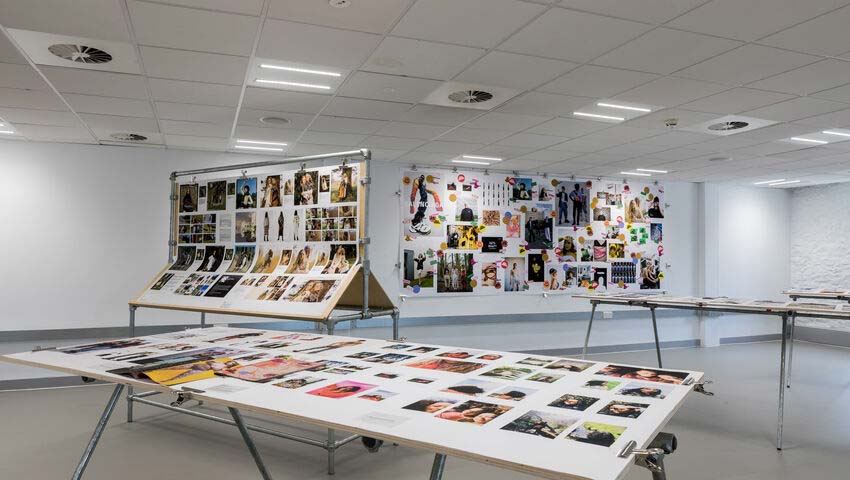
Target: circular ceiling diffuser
[(80, 53), (128, 137), (470, 96), (719, 159), (339, 3), (276, 121), (725, 126)]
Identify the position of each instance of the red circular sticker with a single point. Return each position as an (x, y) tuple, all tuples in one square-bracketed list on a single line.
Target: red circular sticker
[(461, 178)]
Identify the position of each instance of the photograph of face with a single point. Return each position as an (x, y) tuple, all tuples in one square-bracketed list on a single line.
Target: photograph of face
[(246, 193), (655, 210), (419, 268), (645, 390), (474, 412), (513, 394), (571, 401), (624, 409), (597, 433), (634, 211), (270, 188), (454, 272), (267, 260), (462, 237), (303, 260), (490, 275), (342, 258), (536, 267), (472, 387), (466, 208), (431, 404), (188, 198), (446, 365), (246, 227), (507, 373), (298, 382), (569, 248), (213, 256), (515, 274), (570, 365), (341, 389), (217, 195), (538, 227), (545, 377), (643, 374), (601, 384), (522, 190), (185, 258), (306, 188), (512, 228), (343, 185), (650, 273), (541, 424)]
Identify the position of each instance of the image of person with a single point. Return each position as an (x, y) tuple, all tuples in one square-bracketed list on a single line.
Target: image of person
[(553, 279), (650, 277), (296, 222), (514, 278), (201, 367), (188, 203), (642, 392), (247, 200), (655, 209), (331, 346), (523, 193), (513, 395), (418, 186), (339, 263), (266, 227), (578, 200), (338, 391), (344, 184), (420, 266), (466, 214), (563, 205), (633, 213), (279, 226), (542, 429), (211, 262)]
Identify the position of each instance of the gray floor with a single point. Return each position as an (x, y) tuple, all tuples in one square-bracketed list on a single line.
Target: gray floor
[(727, 436)]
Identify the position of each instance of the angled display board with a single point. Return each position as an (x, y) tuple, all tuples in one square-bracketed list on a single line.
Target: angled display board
[(471, 233)]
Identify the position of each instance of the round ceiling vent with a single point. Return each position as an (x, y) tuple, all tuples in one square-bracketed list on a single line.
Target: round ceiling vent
[(339, 3), (726, 126), (470, 96), (128, 137), (719, 159), (80, 53), (276, 121)]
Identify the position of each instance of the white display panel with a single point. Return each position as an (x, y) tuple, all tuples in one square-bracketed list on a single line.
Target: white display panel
[(465, 233), (548, 416)]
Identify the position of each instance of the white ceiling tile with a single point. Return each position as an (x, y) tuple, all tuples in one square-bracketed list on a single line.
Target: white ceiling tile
[(686, 118), (546, 157), (412, 130), (269, 134), (327, 138), (418, 58), (725, 143), (449, 20), (102, 19), (437, 115), (568, 127), (185, 28), (775, 132), (809, 79), (839, 119), (664, 51), (297, 121), (245, 7), (386, 154), (652, 11), (194, 92), (746, 64), (360, 108), (195, 113), (375, 16), (49, 133), (40, 117), (196, 143), (8, 52), (450, 148), (840, 94), (474, 135), (749, 20), (126, 107), (675, 154), (796, 109), (92, 82), (377, 141), (310, 149), (32, 99), (670, 91), (198, 129), (582, 144), (327, 123), (631, 150), (194, 66), (523, 164), (377, 86), (513, 70), (676, 139), (550, 104), (283, 101), (506, 121), (571, 35), (531, 140), (736, 100), (314, 45), (116, 123), (503, 151), (824, 35), (424, 158), (14, 75), (151, 138), (600, 82)]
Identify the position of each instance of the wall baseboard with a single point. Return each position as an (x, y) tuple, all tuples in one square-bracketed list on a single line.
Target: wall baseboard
[(836, 338), (629, 347), (45, 382), (751, 339)]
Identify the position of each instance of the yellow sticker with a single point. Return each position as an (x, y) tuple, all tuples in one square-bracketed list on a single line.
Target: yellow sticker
[(444, 245), (522, 250), (581, 240), (554, 183), (406, 180), (452, 197), (594, 202), (481, 228), (650, 197), (523, 209), (430, 179), (436, 222), (545, 257), (621, 237), (473, 283)]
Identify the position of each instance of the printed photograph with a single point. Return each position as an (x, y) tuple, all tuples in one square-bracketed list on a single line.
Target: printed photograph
[(545, 377), (656, 232), (419, 267), (616, 250), (378, 395), (422, 380), (423, 192), (360, 355), (446, 365), (217, 195), (538, 227), (342, 258), (422, 350), (571, 401), (474, 412), (462, 237), (243, 258), (324, 183), (459, 354), (624, 409), (635, 211), (569, 250), (270, 189), (269, 370), (513, 227), (303, 260), (655, 210), (343, 185), (606, 385), (431, 404), (596, 433), (246, 193), (466, 208), (490, 275), (600, 251), (570, 365), (508, 373), (537, 362), (213, 256), (472, 387), (223, 286), (522, 189), (341, 389), (645, 390), (491, 218), (536, 268), (650, 273), (541, 424), (267, 260), (101, 346), (313, 291), (389, 358), (602, 214), (515, 274), (246, 227), (643, 374), (188, 198), (162, 281), (298, 382), (306, 187), (454, 272), (514, 394)]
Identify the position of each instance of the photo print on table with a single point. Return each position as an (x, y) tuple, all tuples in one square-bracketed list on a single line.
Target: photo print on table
[(537, 362), (474, 412), (188, 197), (431, 404), (571, 401), (597, 384), (343, 257), (595, 433), (512, 393), (270, 192), (446, 365), (267, 260), (645, 390), (545, 377), (185, 258), (378, 395), (462, 237), (246, 193), (306, 187), (311, 291), (217, 195), (303, 260), (624, 409), (515, 274), (538, 227), (541, 424), (223, 286), (343, 184), (342, 389), (243, 258), (570, 365), (422, 380), (246, 227), (298, 382), (162, 281), (459, 354), (389, 358), (269, 370), (213, 256), (643, 374), (472, 387), (508, 373), (454, 272)]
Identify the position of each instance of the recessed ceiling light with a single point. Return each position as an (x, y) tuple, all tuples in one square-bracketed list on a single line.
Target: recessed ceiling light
[(300, 70), (769, 181), (650, 170), (624, 107), (293, 84), (265, 149), (639, 174), (471, 162), (808, 140), (719, 159), (789, 182), (593, 115), (261, 142), (840, 134), (479, 157), (274, 120), (7, 132)]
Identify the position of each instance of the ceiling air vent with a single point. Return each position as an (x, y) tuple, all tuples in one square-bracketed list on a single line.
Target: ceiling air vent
[(276, 121), (729, 125), (726, 126), (128, 137), (470, 96), (80, 53)]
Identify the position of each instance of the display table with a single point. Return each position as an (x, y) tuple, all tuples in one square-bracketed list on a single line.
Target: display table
[(818, 294), (546, 416)]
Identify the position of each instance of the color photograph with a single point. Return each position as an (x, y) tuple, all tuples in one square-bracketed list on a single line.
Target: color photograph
[(643, 374), (515, 274), (466, 207), (341, 389), (246, 227), (454, 272), (419, 267), (462, 237), (343, 185), (269, 370), (472, 387), (541, 424), (538, 227), (431, 404), (306, 187), (312, 291), (508, 373), (594, 433), (213, 256), (624, 409), (378, 395), (342, 258), (512, 393), (270, 192), (522, 189), (223, 286), (243, 258), (645, 390), (571, 401), (474, 412), (217, 195), (446, 365), (246, 193), (298, 382), (188, 198), (267, 260), (570, 365)]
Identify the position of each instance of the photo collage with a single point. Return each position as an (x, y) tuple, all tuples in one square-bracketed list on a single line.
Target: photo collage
[(471, 233), (279, 241)]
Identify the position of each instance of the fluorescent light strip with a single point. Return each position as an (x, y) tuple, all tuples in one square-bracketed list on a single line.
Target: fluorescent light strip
[(769, 181), (479, 157), (265, 149), (293, 84), (593, 115), (650, 170), (471, 162), (8, 132), (261, 142), (840, 134), (623, 107), (784, 183), (808, 140), (636, 173), (300, 70)]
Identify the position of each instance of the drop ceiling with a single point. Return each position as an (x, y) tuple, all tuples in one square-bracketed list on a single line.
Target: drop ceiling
[(184, 76)]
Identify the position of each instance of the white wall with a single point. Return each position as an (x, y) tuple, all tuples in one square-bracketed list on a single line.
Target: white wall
[(820, 235)]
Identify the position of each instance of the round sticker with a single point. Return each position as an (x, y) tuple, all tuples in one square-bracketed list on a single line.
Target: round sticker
[(523, 209), (406, 180), (480, 244), (430, 179), (566, 267), (504, 264), (452, 197), (461, 178), (588, 184), (511, 180), (473, 284), (554, 183), (508, 214), (416, 289), (444, 245), (545, 257)]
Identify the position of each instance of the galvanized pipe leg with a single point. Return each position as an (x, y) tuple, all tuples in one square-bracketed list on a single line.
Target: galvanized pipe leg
[(240, 424), (791, 348), (331, 324), (203, 320), (659, 474), (130, 389), (395, 317), (589, 326), (331, 447), (98, 431), (655, 331), (782, 379), (438, 467)]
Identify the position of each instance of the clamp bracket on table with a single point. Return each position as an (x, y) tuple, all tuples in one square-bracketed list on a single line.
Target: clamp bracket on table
[(699, 387), (652, 457)]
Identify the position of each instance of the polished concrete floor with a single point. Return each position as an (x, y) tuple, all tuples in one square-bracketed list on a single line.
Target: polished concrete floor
[(728, 436)]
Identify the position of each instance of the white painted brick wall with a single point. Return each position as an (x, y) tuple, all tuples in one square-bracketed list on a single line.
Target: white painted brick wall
[(820, 241)]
